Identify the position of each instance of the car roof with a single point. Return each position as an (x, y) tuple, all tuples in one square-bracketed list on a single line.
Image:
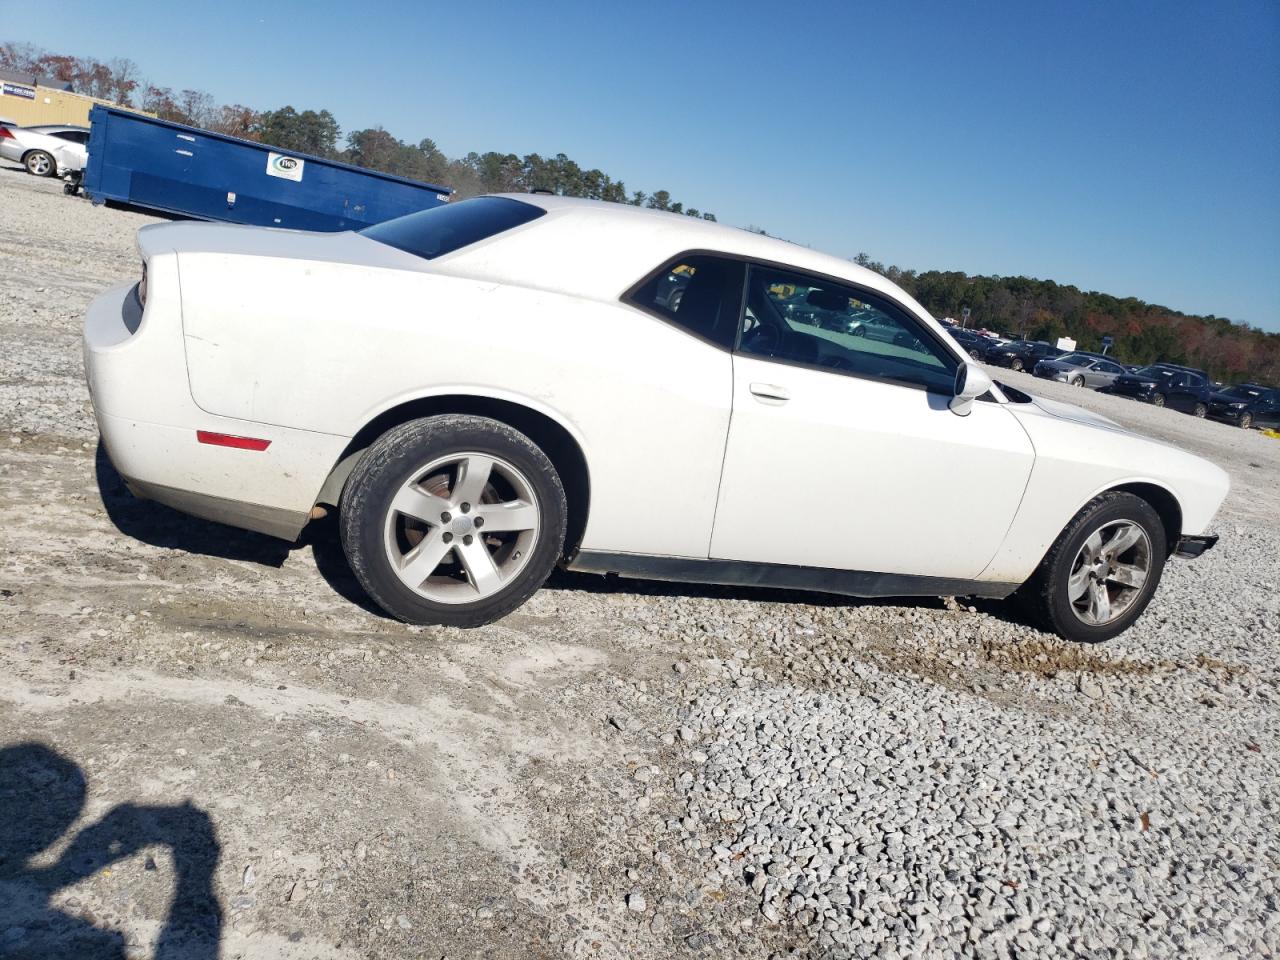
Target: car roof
[(56, 128), (600, 249)]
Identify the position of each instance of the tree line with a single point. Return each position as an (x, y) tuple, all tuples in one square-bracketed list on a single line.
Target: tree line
[(1020, 306), (1141, 332), (317, 132)]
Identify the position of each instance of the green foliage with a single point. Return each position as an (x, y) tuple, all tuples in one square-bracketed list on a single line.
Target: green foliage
[(1141, 332), (313, 132)]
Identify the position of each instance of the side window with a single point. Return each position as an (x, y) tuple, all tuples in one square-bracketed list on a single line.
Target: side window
[(698, 293), (796, 318), (1106, 366), (1178, 381)]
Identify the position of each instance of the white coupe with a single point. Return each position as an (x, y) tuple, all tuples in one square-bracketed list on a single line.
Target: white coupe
[(487, 389)]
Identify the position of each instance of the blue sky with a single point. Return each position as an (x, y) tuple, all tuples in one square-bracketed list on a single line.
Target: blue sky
[(1132, 148)]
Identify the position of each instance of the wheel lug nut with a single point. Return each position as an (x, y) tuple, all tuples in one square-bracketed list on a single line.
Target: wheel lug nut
[(466, 508), (479, 521), (448, 538), (446, 517), (467, 539)]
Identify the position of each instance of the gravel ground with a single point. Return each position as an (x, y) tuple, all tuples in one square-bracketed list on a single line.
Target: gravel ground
[(210, 745)]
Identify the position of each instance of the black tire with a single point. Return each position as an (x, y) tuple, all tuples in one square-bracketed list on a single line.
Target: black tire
[(975, 354), (1015, 365), (1158, 400), (1199, 410), (40, 163), (391, 461), (1246, 420), (1044, 597), (858, 331)]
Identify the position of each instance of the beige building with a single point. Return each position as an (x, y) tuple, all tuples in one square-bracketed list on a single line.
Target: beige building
[(27, 103)]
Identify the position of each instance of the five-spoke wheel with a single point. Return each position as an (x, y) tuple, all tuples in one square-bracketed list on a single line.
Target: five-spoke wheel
[(1109, 572), (452, 520), (1101, 572), (462, 528)]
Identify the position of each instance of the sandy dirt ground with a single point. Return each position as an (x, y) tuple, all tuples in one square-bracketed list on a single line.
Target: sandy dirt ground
[(211, 744)]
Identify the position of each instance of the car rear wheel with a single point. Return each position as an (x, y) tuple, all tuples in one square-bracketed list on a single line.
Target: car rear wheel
[(40, 164), (975, 354), (1158, 400), (1015, 364), (453, 520), (1101, 572), (1199, 410), (1246, 420)]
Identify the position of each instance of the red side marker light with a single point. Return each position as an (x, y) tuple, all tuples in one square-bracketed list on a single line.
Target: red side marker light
[(226, 440)]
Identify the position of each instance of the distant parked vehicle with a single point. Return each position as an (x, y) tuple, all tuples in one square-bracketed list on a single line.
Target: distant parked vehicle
[(974, 344), (1167, 385), (1080, 369), (1023, 354), (1246, 405), (49, 150)]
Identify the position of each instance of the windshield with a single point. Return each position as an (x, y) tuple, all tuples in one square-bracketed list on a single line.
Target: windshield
[(1076, 359), (1155, 373), (1243, 391), (433, 233)]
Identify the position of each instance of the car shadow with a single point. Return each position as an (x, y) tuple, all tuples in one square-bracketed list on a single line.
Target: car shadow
[(161, 526), (43, 794)]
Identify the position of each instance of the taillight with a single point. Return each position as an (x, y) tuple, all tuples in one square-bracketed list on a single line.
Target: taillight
[(6, 134)]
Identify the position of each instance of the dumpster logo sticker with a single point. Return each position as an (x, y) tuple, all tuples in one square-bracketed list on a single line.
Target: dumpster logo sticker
[(287, 168)]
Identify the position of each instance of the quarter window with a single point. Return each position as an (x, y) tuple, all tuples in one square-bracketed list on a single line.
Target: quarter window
[(696, 292), (796, 318)]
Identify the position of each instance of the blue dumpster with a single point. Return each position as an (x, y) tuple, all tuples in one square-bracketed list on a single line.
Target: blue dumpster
[(167, 166)]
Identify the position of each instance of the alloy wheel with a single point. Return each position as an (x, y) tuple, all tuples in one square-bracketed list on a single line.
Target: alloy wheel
[(1109, 572), (39, 164), (461, 527)]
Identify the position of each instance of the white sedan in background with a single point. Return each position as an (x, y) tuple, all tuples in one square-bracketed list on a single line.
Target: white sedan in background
[(490, 388), (49, 150)]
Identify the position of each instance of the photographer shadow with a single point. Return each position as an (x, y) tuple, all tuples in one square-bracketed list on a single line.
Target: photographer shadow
[(42, 793)]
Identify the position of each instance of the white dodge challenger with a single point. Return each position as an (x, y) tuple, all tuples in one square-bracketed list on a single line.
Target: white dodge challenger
[(490, 388)]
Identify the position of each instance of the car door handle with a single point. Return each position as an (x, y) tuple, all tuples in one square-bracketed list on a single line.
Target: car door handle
[(770, 391)]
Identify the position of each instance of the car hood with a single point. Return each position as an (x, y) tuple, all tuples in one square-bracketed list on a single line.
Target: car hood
[(1069, 411), (1130, 378), (1227, 398)]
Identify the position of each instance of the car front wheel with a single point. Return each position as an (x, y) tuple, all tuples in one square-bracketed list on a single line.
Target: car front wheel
[(1158, 400), (1246, 420), (40, 164), (1199, 410), (453, 520), (1015, 364), (1101, 572)]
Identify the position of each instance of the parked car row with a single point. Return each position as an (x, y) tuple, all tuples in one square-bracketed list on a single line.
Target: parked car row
[(49, 150), (1178, 387)]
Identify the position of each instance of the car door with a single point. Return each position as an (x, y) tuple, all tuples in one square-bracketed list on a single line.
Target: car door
[(1103, 373), (843, 452)]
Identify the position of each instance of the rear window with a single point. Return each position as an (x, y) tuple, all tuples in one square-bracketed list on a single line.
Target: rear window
[(433, 233)]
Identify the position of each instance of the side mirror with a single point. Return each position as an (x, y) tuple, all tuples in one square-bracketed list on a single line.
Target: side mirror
[(971, 382)]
